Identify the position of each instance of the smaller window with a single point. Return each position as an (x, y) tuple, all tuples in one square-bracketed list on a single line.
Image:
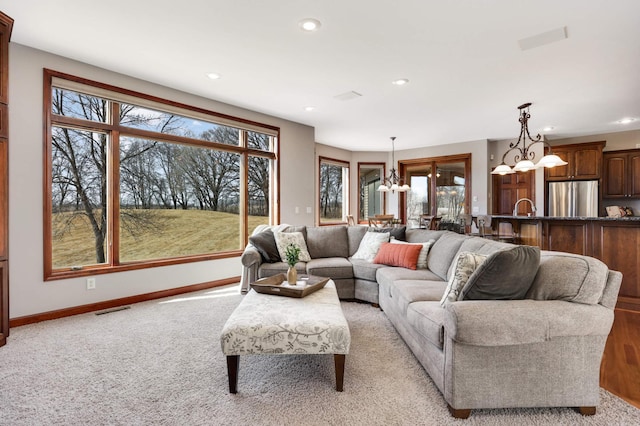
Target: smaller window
[(334, 191), (371, 202)]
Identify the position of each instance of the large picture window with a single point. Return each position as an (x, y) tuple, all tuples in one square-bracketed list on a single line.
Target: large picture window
[(134, 181)]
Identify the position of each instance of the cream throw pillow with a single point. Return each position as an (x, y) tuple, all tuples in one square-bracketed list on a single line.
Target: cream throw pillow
[(424, 252), (370, 245), (465, 264), (283, 239)]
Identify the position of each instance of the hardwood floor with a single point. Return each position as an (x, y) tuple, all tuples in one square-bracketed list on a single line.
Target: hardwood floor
[(620, 370)]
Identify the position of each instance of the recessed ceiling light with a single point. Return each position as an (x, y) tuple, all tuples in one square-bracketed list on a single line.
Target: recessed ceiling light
[(309, 24), (400, 82), (548, 129), (626, 120), (309, 108), (213, 75)]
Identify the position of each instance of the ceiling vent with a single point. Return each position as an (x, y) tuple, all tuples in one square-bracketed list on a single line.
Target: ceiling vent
[(347, 96), (543, 38)]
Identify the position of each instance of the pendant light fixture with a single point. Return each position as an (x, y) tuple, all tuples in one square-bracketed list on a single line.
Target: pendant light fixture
[(393, 182), (523, 156)]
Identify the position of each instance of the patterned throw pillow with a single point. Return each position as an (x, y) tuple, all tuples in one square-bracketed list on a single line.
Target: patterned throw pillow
[(283, 239), (403, 255), (424, 253), (370, 245), (466, 264)]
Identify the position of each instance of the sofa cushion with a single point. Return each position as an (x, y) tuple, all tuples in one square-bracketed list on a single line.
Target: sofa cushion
[(443, 252), (424, 252), (370, 245), (283, 239), (570, 277), (327, 241), (406, 292), (365, 270), (334, 267), (265, 243), (504, 275), (355, 234), (417, 235), (388, 275), (397, 232), (403, 255), (465, 265), (427, 318)]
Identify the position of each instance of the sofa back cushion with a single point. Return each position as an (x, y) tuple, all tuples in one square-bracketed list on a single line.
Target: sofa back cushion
[(355, 234), (570, 277), (443, 252), (418, 235), (504, 275), (479, 245), (327, 241)]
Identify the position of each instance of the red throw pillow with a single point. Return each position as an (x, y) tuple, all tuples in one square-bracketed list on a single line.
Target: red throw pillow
[(404, 255)]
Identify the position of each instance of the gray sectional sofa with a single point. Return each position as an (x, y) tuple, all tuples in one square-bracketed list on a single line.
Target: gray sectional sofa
[(542, 349)]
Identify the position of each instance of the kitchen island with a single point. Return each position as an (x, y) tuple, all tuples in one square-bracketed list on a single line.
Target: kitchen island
[(615, 241)]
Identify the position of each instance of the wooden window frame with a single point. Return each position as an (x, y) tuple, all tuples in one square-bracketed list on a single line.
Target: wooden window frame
[(345, 188), (433, 161), (113, 264), (371, 164)]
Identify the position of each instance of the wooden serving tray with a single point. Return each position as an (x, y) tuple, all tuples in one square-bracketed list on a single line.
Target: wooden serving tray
[(278, 285)]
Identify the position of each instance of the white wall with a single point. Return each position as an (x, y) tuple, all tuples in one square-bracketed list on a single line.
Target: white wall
[(29, 293)]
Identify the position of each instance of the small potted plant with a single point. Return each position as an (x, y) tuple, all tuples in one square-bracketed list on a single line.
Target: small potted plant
[(292, 254)]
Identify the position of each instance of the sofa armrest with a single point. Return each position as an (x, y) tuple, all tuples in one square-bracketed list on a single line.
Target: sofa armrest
[(250, 256), (514, 322)]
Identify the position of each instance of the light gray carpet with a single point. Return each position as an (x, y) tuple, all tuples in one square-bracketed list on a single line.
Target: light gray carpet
[(160, 363)]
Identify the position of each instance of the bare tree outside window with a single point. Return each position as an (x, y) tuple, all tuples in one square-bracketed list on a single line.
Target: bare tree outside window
[(176, 199), (333, 186)]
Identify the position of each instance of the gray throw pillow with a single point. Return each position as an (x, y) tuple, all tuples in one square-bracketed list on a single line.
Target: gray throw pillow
[(265, 243), (504, 275), (397, 232)]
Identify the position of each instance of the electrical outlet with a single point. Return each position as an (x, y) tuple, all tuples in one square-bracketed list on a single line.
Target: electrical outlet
[(91, 283)]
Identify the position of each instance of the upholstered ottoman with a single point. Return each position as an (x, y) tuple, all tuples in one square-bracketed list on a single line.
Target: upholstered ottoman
[(271, 324)]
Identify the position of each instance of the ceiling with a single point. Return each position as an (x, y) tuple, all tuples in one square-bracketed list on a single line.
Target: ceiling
[(467, 73)]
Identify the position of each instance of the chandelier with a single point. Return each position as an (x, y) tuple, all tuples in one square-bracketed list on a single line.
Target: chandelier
[(393, 182), (522, 155)]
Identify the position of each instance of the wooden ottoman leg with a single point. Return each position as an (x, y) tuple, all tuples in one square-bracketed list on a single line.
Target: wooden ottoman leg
[(339, 362), (233, 361)]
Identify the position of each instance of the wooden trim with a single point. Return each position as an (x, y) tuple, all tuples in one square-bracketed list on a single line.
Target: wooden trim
[(628, 303), (104, 86), (108, 304), (108, 269)]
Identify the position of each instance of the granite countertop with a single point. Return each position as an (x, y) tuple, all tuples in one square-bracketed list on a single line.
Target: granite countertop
[(620, 219)]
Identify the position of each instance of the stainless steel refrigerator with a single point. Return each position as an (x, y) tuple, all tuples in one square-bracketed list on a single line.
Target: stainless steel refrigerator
[(573, 199)]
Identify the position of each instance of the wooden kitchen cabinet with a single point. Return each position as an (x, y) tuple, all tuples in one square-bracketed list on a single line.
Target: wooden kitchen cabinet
[(617, 243), (568, 235), (510, 188), (585, 162), (621, 174)]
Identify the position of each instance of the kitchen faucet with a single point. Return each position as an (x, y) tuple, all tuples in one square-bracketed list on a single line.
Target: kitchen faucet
[(515, 208)]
